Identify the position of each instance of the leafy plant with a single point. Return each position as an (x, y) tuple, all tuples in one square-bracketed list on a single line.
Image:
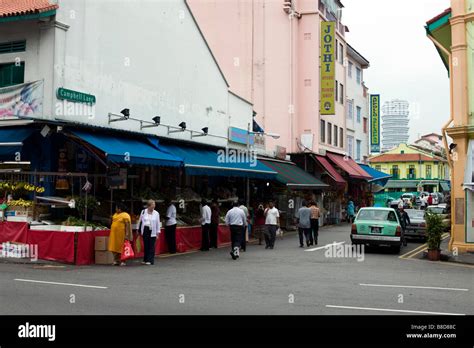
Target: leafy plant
[(434, 230), (92, 203)]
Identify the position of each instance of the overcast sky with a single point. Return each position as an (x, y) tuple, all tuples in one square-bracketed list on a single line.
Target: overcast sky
[(404, 63)]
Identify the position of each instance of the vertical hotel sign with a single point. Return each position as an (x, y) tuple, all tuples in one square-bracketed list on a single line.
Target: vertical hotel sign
[(328, 69), (375, 123)]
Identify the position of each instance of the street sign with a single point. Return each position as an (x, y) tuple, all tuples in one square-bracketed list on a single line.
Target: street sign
[(375, 123), (328, 69), (74, 96)]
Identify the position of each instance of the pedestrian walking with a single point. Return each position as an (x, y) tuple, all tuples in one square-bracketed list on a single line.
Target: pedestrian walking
[(149, 227), (170, 226), (430, 200), (205, 225), (315, 214), (259, 223), (120, 231), (244, 236), (237, 221), (272, 222), (215, 216), (350, 211), (303, 217)]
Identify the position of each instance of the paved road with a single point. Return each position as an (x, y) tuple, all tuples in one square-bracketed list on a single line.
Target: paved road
[(260, 282)]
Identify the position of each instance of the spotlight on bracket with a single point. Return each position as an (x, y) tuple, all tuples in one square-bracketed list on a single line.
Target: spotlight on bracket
[(156, 122), (182, 128), (205, 131), (125, 115)]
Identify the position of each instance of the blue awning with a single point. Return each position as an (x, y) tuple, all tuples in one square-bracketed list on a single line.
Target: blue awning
[(120, 149), (377, 175), (12, 138), (220, 162)]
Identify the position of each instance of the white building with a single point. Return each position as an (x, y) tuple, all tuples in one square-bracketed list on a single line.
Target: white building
[(394, 123), (357, 107), (147, 56)]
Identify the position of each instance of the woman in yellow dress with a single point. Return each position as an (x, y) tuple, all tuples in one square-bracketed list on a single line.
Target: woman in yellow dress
[(120, 231)]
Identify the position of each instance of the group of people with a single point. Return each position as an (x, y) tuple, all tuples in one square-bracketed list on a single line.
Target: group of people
[(308, 223)]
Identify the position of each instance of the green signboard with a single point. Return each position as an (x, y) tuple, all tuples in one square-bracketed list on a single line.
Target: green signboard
[(74, 96), (375, 123)]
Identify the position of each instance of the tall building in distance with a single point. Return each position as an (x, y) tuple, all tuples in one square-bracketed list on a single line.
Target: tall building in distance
[(394, 123)]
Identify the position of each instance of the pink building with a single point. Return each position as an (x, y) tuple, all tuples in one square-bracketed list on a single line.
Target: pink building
[(269, 52)]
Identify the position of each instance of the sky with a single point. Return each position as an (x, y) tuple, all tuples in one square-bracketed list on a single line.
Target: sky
[(404, 63)]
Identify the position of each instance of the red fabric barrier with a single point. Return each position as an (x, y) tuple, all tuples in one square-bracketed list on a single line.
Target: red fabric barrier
[(13, 232), (223, 235), (54, 246), (85, 252)]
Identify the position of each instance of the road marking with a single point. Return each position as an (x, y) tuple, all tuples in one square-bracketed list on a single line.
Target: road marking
[(420, 249), (55, 283), (414, 287), (393, 310), (325, 246)]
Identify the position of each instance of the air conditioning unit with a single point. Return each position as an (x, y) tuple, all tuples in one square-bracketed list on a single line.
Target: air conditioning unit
[(322, 152)]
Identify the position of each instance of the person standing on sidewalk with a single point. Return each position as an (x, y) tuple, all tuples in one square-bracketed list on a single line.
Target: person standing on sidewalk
[(272, 222), (150, 229), (350, 211), (205, 225), (120, 231), (304, 224), (259, 230), (170, 226), (315, 214), (243, 243), (215, 216), (237, 221)]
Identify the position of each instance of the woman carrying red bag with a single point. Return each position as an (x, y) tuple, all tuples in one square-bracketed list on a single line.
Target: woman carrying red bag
[(120, 231)]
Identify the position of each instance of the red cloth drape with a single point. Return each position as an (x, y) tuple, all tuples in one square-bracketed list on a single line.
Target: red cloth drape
[(85, 252), (13, 232), (54, 246)]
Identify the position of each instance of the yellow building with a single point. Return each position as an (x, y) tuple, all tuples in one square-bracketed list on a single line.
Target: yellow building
[(412, 169), (452, 33)]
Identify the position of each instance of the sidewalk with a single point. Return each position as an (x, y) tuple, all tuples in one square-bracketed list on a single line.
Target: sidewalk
[(465, 258)]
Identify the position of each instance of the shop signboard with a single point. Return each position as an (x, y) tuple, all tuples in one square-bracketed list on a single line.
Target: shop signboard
[(328, 69), (375, 123), (117, 178), (241, 136), (24, 100), (75, 96)]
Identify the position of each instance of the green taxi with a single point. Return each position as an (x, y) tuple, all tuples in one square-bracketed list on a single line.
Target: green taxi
[(378, 226)]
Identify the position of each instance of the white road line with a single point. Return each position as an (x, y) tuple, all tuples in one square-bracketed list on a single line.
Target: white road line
[(414, 287), (325, 246), (393, 310), (55, 283)]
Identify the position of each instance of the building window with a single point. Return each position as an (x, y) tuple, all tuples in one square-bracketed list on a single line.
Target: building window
[(12, 74), (428, 171), (341, 53), (350, 145), (335, 135), (337, 90), (365, 124), (350, 109), (323, 131), (358, 148), (349, 69), (341, 137), (341, 93), (358, 75), (12, 47), (395, 172), (329, 133), (440, 172), (359, 111), (378, 167), (337, 50), (411, 172)]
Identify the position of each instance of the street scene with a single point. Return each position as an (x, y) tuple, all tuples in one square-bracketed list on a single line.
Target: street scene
[(237, 157)]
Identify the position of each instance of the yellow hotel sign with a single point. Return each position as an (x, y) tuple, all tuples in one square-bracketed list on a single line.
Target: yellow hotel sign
[(328, 69), (375, 123)]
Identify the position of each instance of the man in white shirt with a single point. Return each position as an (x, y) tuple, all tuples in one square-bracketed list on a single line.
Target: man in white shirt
[(170, 226), (205, 224), (243, 244), (272, 222), (237, 221)]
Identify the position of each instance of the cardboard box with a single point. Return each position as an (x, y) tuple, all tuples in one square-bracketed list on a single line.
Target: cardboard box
[(104, 258), (101, 243)]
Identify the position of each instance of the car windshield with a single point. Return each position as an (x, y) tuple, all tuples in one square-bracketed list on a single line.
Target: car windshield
[(378, 215), (436, 210)]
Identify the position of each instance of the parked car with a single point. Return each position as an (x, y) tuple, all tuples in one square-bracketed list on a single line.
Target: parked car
[(442, 210), (417, 226), (377, 226)]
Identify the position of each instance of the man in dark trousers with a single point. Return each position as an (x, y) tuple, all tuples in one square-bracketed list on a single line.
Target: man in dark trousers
[(215, 216), (205, 224), (237, 221), (315, 214), (170, 226)]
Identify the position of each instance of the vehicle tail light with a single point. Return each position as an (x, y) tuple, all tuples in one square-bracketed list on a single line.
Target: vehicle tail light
[(398, 233), (354, 229)]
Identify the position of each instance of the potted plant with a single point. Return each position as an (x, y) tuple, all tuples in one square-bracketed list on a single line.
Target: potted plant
[(434, 230)]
